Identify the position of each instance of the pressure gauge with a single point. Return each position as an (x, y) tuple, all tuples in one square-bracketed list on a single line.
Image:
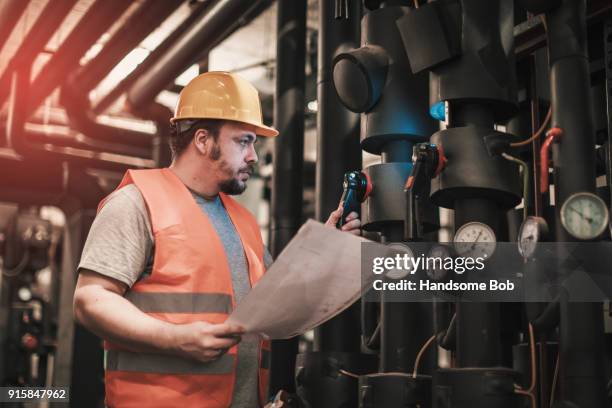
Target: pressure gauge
[(405, 268), (436, 257), (533, 230), (475, 240), (584, 216)]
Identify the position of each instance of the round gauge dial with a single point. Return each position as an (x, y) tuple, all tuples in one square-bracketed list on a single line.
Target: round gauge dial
[(475, 240), (584, 216), (401, 250), (533, 230), (435, 258)]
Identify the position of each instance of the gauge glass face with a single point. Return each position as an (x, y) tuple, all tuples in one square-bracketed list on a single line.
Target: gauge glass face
[(530, 235), (402, 250), (436, 257), (584, 216), (475, 240)]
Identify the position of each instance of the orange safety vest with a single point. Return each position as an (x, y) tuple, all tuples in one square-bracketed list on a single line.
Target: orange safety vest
[(190, 281)]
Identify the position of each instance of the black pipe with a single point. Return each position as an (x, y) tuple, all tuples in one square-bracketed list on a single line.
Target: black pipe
[(10, 13), (83, 141), (160, 114), (136, 28), (169, 42), (338, 151), (38, 36), (478, 332), (98, 18), (83, 119), (287, 176), (478, 324), (221, 20), (581, 368), (18, 140)]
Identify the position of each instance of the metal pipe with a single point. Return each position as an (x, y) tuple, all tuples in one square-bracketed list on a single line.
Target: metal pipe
[(287, 177), (38, 36), (581, 345), (10, 13), (222, 19), (17, 138), (92, 25), (338, 151), (138, 26), (161, 115), (478, 324), (168, 43), (84, 120), (101, 137), (82, 141)]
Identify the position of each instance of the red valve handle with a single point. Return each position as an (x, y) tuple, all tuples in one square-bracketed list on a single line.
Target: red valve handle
[(551, 136)]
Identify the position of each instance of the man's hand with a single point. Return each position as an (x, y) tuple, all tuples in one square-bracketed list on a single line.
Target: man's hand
[(352, 224), (204, 341)]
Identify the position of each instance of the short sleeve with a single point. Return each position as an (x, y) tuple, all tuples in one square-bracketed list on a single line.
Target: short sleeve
[(120, 240)]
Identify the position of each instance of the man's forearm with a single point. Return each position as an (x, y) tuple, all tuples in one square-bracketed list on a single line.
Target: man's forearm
[(114, 318)]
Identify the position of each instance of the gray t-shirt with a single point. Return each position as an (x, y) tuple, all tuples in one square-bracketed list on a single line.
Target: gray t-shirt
[(120, 245)]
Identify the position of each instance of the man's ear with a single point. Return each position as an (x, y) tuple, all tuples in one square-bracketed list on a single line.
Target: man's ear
[(202, 141)]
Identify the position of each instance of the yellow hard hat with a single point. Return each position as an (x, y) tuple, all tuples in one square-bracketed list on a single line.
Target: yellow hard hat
[(222, 95)]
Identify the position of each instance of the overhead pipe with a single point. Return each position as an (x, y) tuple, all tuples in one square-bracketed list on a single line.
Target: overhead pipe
[(123, 86), (75, 91), (221, 20), (138, 26), (98, 18), (10, 13), (160, 114), (25, 150), (287, 176), (98, 136), (73, 139), (38, 36)]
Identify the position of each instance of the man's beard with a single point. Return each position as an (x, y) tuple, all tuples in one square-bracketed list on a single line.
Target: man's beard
[(232, 186), (235, 186)]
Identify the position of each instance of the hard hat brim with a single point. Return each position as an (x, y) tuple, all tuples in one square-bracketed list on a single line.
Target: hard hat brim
[(265, 131), (260, 130)]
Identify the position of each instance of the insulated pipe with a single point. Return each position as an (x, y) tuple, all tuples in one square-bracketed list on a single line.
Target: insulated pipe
[(581, 345), (126, 83), (160, 114), (477, 324), (338, 151), (221, 20), (17, 137), (10, 13), (38, 36), (138, 26), (83, 120), (288, 160), (42, 137), (98, 18)]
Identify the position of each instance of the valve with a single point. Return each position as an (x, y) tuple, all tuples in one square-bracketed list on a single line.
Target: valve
[(552, 135), (428, 161), (357, 186)]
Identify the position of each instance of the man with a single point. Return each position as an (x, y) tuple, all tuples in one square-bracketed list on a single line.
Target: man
[(170, 253)]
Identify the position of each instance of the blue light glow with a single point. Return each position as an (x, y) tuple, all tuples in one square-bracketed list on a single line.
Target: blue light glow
[(437, 111)]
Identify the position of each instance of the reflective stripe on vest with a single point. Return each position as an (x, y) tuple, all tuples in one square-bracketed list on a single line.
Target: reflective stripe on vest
[(117, 360), (190, 281), (155, 302)]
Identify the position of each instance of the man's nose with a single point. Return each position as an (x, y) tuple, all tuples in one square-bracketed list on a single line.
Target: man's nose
[(252, 155)]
